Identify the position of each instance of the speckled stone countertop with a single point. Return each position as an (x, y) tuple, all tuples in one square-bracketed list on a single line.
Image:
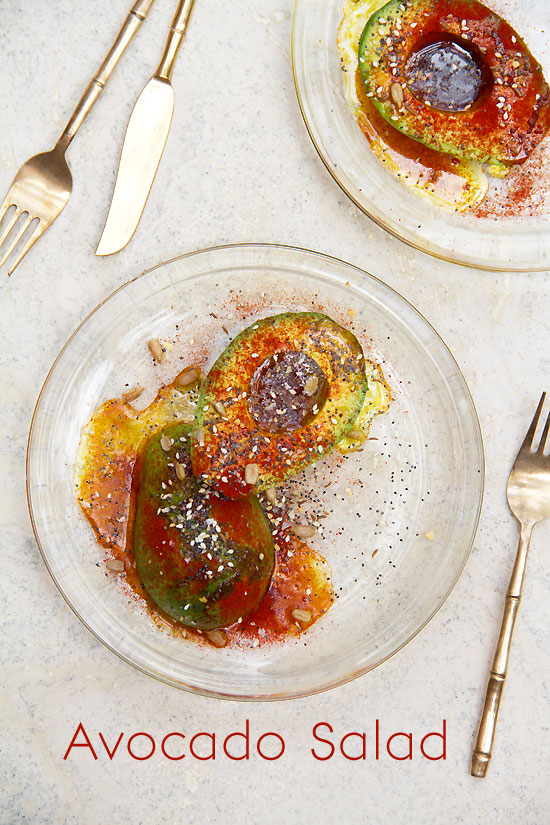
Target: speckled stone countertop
[(239, 166)]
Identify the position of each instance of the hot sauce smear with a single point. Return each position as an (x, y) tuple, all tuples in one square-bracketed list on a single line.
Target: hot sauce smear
[(108, 470), (441, 175)]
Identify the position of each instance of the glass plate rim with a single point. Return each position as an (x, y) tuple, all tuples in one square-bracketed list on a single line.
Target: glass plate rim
[(287, 695)]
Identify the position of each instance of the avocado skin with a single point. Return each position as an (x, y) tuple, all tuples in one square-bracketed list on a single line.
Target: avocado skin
[(503, 126), (173, 564), (232, 441)]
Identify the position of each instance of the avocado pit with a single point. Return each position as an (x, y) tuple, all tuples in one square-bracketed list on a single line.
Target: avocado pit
[(446, 75), (287, 391)]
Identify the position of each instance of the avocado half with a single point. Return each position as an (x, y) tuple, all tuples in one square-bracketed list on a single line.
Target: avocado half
[(206, 561), (284, 391), (455, 76)]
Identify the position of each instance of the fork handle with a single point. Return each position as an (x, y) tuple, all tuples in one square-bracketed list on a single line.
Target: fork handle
[(483, 748), (135, 18)]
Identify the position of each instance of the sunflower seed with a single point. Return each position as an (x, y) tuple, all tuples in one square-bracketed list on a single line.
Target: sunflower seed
[(303, 531), (116, 565), (396, 91), (187, 376), (219, 407), (251, 473), (165, 442), (156, 350), (271, 495), (198, 436), (180, 471), (217, 637), (311, 385), (356, 435), (131, 394), (301, 615)]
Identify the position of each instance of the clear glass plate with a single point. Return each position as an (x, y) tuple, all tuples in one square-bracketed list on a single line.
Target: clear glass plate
[(413, 494), (518, 244)]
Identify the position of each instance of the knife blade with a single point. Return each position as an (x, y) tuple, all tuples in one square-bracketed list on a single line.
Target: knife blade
[(144, 142)]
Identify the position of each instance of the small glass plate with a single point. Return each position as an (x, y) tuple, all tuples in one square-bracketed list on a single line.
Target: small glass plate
[(515, 244), (402, 513)]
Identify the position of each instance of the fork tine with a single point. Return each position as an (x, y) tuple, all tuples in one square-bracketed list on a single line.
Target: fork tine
[(528, 440), (544, 435), (13, 243), (10, 224), (35, 235), (4, 208)]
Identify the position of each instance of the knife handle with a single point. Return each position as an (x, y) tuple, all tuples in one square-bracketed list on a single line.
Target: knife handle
[(135, 18), (175, 39)]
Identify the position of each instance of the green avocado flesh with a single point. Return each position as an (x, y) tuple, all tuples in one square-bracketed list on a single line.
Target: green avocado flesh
[(455, 76), (283, 392), (205, 560)]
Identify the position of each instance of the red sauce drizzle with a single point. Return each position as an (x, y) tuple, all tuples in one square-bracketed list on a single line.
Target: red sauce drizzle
[(373, 125), (112, 448)]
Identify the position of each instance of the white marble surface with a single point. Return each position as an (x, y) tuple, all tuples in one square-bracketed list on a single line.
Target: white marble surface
[(239, 167)]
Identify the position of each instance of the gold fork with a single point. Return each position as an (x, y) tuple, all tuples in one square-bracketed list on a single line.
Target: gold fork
[(529, 499), (43, 185)]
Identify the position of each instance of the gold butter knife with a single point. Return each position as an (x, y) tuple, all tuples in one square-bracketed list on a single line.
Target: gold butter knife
[(144, 142), (43, 185)]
